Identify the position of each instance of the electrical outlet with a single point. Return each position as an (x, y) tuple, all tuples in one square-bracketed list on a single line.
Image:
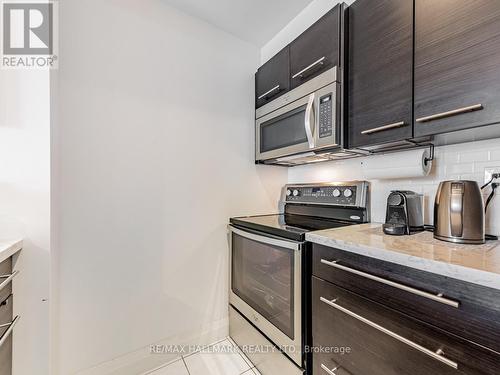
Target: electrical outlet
[(489, 171)]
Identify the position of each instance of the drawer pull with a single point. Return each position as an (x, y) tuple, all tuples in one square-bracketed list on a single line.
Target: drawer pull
[(9, 330), (328, 371), (8, 279), (309, 67), (459, 111), (437, 355), (438, 298), (277, 87), (385, 127)]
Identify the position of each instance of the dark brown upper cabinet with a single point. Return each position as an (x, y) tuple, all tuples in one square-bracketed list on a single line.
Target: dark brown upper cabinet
[(380, 72), (273, 78), (457, 65), (317, 49)]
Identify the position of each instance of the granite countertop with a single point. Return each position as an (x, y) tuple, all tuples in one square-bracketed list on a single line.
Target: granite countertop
[(9, 248), (478, 264)]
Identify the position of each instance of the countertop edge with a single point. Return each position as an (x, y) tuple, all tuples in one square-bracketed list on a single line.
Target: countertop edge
[(9, 248), (470, 275)]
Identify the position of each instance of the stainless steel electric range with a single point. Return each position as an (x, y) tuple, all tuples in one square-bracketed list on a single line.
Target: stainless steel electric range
[(270, 275)]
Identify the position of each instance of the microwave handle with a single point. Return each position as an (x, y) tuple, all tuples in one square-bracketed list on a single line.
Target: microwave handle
[(309, 121)]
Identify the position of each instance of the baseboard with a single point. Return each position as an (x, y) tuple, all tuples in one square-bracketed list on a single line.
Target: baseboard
[(142, 360)]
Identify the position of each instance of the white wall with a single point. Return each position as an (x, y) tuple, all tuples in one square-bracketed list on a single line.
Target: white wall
[(154, 141), (463, 161), (25, 208)]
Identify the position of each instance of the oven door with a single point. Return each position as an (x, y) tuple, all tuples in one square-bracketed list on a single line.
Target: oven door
[(305, 125), (265, 286)]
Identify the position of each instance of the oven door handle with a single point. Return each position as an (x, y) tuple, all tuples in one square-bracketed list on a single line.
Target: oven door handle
[(309, 121), (266, 240)]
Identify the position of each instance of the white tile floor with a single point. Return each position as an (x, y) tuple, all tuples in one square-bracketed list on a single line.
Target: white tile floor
[(221, 358)]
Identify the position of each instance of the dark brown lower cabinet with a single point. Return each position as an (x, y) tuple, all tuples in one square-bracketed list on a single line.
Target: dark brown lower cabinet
[(357, 336), (475, 316), (6, 357)]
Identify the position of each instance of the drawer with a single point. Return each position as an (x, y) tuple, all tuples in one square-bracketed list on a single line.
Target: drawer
[(364, 337), (5, 269), (6, 311), (6, 347), (467, 310), (6, 357)]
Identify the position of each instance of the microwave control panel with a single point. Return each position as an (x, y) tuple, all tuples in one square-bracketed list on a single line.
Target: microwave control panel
[(325, 116)]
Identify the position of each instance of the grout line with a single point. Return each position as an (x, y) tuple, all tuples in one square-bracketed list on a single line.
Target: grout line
[(246, 359), (242, 355), (186, 366)]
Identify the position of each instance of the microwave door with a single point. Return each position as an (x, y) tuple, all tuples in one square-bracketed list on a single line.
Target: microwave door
[(306, 125), (286, 131)]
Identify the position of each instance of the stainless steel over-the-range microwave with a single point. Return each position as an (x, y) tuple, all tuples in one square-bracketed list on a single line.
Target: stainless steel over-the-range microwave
[(303, 125)]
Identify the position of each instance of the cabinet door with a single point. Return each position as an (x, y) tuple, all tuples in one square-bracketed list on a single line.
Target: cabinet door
[(364, 337), (467, 310), (273, 78), (457, 71), (380, 71), (317, 49)]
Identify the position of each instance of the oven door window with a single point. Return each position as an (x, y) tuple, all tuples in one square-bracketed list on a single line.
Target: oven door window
[(262, 276), (283, 131)]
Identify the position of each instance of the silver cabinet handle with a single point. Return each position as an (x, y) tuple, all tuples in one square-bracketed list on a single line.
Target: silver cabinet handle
[(438, 355), (437, 298), (385, 127), (8, 279), (9, 330), (328, 371), (309, 121), (309, 67), (459, 111), (268, 92)]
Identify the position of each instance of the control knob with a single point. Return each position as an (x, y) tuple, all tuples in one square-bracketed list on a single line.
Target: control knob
[(347, 193), (336, 193), (288, 192), (295, 193)]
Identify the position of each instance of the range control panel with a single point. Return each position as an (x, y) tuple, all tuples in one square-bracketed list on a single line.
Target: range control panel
[(340, 194)]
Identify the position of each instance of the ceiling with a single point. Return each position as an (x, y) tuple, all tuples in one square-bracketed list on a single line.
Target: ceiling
[(255, 21)]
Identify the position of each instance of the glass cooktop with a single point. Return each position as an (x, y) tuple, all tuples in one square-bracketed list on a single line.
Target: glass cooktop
[(293, 227)]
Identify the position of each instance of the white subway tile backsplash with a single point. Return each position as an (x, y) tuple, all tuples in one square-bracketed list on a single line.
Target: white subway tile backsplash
[(463, 161), (449, 157), (472, 177), (495, 155), (480, 167), (474, 156), (454, 169)]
